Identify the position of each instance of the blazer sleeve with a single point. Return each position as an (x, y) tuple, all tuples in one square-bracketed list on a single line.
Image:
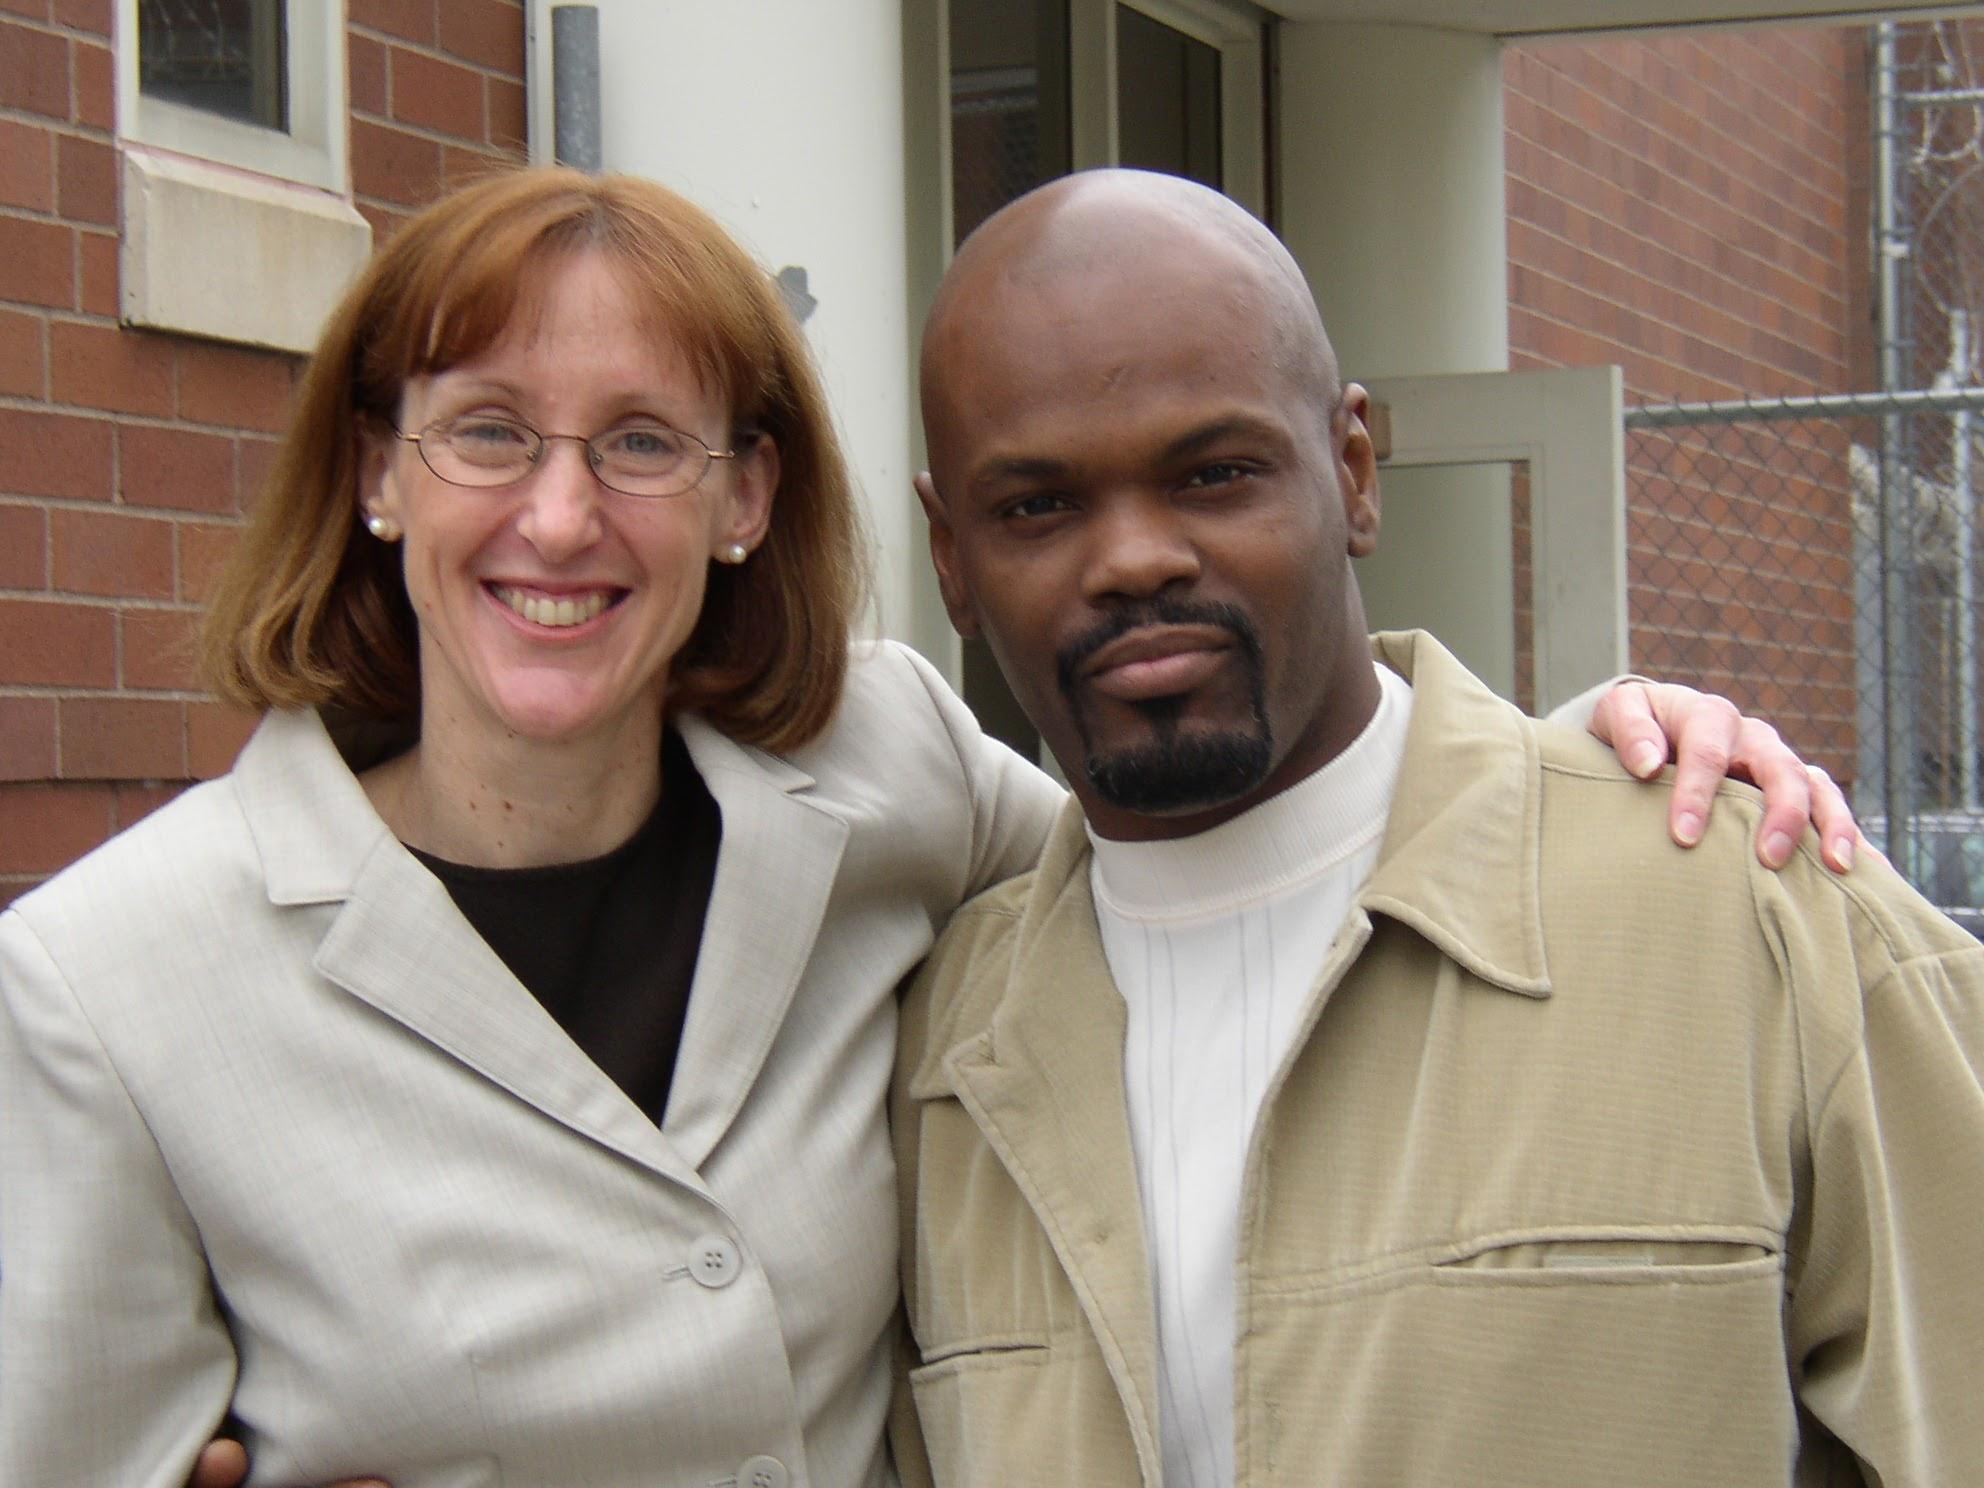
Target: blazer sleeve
[(1886, 1312), (115, 1365), (1013, 802)]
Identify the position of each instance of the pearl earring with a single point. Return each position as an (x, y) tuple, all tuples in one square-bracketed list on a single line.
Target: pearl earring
[(382, 527), (733, 553)]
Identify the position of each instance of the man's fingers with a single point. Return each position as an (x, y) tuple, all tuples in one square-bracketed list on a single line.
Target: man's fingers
[(221, 1464)]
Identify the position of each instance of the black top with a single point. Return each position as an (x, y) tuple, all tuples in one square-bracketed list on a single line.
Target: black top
[(609, 945)]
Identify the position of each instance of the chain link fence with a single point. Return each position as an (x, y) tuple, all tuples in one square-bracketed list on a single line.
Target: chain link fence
[(1816, 560)]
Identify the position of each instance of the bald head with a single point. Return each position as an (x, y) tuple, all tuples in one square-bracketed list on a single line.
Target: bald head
[(1127, 232)]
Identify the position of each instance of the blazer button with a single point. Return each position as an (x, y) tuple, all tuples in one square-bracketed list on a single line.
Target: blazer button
[(714, 1262), (763, 1472)]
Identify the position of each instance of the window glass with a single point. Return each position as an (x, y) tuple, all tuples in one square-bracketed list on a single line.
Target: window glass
[(224, 57), (1167, 99), (1009, 102)]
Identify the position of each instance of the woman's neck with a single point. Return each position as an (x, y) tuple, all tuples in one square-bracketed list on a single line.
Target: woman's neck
[(519, 803)]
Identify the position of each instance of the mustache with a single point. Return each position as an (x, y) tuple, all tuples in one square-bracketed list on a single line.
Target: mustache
[(1162, 610)]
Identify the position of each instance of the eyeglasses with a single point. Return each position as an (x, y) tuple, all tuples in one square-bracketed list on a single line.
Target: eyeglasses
[(479, 449)]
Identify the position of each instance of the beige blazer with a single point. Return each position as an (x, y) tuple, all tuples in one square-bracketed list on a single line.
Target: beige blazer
[(1596, 1162), (281, 1136)]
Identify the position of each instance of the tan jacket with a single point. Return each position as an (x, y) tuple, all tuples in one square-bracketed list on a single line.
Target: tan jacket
[(1597, 1162)]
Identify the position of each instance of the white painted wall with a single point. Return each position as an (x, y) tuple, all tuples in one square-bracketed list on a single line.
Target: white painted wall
[(784, 118), (1392, 200)]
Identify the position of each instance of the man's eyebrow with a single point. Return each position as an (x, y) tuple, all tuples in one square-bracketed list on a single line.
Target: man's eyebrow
[(1018, 468), (1206, 435)]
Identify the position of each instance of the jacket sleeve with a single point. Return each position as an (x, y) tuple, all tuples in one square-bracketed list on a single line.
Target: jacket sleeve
[(1886, 1312), (115, 1366), (1013, 803)]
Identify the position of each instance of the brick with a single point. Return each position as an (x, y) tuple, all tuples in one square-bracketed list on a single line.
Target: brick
[(84, 15), (214, 736), (203, 547), (111, 553), (34, 10), (96, 86), (178, 468), (394, 166), (460, 167), (256, 464), (104, 366), (96, 267), (131, 802), (509, 126), (118, 738), (37, 262), (45, 828), (23, 355), (23, 547), (442, 96), (34, 70), (235, 387), (156, 650), (410, 20), (54, 454), (27, 167), (27, 738), (384, 221), (488, 33), (86, 180), (365, 74), (49, 644)]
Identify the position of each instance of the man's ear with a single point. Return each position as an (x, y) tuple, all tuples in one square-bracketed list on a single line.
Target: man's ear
[(1357, 471), (944, 555), (753, 485)]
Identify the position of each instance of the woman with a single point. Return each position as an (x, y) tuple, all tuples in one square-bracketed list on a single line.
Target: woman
[(482, 1083)]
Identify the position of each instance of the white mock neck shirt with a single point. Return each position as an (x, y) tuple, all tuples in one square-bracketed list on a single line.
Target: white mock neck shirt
[(1215, 942)]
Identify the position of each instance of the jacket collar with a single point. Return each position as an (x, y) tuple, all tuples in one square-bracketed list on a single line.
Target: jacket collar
[(1461, 859), (398, 943)]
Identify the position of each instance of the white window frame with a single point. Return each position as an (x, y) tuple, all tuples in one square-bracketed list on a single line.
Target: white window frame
[(1232, 29), (232, 231), (312, 152)]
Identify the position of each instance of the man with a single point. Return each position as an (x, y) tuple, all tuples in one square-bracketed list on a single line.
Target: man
[(1359, 1093)]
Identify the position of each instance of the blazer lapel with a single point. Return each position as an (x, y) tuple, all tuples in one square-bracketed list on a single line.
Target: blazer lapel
[(774, 875), (398, 943), (1045, 1086)]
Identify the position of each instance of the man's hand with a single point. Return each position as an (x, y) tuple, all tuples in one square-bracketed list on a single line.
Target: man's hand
[(1647, 723), (224, 1464)]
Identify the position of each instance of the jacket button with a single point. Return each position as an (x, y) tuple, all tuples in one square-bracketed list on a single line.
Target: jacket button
[(714, 1262), (763, 1472)]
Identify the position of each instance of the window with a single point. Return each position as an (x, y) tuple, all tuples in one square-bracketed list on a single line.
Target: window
[(238, 222), (224, 56), (255, 84)]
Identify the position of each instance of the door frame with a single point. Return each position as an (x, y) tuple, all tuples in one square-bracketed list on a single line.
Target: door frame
[(1566, 425)]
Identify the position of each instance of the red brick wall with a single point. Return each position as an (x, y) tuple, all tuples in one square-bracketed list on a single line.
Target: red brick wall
[(1680, 205), (126, 456)]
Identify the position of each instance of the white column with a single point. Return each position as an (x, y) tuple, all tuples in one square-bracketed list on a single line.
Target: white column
[(1391, 197), (784, 118)]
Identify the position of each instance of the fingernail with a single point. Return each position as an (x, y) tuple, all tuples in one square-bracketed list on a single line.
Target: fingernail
[(1689, 828), (1645, 758), (1777, 849), (1842, 852)]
